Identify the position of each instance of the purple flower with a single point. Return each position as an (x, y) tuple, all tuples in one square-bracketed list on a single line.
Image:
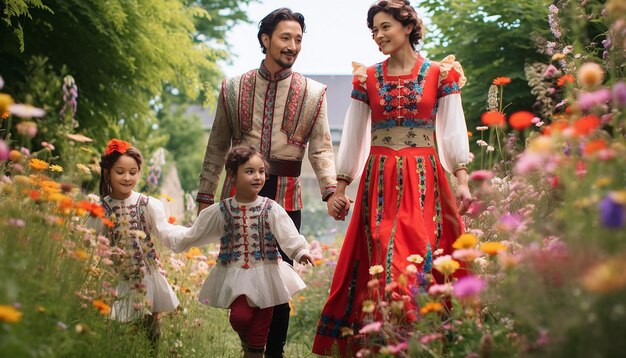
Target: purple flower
[(468, 287), (611, 213), (619, 93)]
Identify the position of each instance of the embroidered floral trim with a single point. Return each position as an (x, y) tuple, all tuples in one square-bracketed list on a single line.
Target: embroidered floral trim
[(437, 217), (345, 177)]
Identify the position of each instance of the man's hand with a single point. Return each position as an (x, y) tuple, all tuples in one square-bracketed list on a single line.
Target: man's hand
[(338, 206)]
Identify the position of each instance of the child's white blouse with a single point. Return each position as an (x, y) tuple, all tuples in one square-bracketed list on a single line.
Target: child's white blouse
[(146, 214), (248, 262)]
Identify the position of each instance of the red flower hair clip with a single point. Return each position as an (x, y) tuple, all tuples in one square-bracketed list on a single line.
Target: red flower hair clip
[(117, 145)]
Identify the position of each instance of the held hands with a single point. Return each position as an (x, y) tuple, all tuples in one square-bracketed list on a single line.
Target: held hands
[(338, 206), (306, 259)]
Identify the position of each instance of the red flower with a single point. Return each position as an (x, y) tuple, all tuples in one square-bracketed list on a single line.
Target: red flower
[(501, 81), (493, 118), (586, 125), (521, 120), (171, 220), (117, 145), (564, 80)]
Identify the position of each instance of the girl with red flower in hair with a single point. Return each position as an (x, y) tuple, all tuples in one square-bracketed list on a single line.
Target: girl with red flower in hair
[(142, 291)]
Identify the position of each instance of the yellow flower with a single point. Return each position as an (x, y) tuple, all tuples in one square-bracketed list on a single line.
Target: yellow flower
[(193, 252), (446, 265), (38, 164), (558, 57), (81, 254), (56, 168), (606, 276), (368, 306), (431, 307), (618, 196), (465, 241), (9, 314), (167, 197), (416, 259), (492, 248), (376, 269), (5, 102)]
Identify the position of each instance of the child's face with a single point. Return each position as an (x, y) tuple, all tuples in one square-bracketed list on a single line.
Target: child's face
[(250, 177), (123, 177)]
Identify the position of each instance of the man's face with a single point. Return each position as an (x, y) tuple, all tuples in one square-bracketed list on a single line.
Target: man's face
[(285, 44)]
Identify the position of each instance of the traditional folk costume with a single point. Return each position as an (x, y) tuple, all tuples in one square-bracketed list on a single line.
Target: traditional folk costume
[(250, 276), (248, 263), (404, 204), (143, 288), (279, 114)]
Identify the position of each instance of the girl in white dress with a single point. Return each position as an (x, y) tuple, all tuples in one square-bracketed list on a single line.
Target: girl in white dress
[(250, 277), (142, 291)]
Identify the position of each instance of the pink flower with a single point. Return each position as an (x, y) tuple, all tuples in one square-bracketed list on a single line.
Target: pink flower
[(468, 287), (467, 255), (372, 327), (427, 338), (4, 150), (550, 71), (510, 222), (480, 175)]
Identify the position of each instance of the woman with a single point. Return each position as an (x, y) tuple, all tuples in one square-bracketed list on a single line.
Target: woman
[(404, 204)]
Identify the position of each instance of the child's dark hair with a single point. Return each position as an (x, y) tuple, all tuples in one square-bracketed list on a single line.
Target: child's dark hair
[(106, 163), (239, 155), (269, 23)]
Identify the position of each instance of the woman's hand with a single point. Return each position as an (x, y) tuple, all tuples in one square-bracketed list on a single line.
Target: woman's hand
[(463, 198), (306, 259), (338, 206)]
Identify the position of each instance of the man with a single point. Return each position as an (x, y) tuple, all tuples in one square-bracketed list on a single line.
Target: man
[(279, 112)]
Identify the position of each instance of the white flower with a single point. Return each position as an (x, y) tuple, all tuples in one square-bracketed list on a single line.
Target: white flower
[(482, 128), (26, 111), (490, 148), (376, 269), (416, 259)]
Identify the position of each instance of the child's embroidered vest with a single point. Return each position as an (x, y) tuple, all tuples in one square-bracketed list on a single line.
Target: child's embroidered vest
[(247, 240)]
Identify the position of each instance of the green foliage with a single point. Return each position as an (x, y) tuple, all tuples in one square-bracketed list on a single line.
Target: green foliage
[(16, 9), (490, 38), (120, 53), (185, 143)]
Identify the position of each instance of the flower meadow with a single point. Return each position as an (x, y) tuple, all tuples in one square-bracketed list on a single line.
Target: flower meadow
[(539, 272)]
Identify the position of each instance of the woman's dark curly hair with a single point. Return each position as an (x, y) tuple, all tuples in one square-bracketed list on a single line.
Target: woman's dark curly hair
[(402, 11), (107, 161), (269, 23), (237, 156)]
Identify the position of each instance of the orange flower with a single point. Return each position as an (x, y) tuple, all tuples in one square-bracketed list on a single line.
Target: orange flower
[(117, 145), (171, 220), (501, 81), (586, 125), (521, 120), (469, 134), (565, 79), (108, 222), (557, 126), (431, 307), (493, 118), (95, 210), (101, 306), (594, 146)]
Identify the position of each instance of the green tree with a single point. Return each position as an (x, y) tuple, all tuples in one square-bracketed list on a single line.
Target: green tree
[(490, 38)]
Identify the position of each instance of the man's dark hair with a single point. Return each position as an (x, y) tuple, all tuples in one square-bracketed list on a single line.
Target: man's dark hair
[(269, 22)]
